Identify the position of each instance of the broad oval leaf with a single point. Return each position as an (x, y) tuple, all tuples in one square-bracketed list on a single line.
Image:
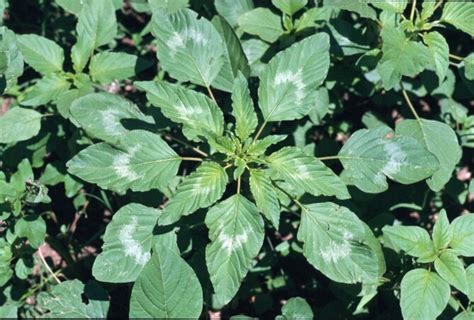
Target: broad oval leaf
[(423, 295), (288, 84), (19, 124), (66, 300), (236, 233), (13, 60), (290, 7), (462, 241), (200, 189), (231, 10), (451, 269), (96, 27), (41, 54), (45, 90), (401, 57), (170, 6), (235, 60), (439, 49), (460, 14), (306, 172), (470, 281), (140, 161), (107, 116), (261, 22), (166, 288), (371, 155), (441, 231), (441, 141), (189, 49), (296, 309), (414, 240), (362, 8), (339, 244), (243, 108), (199, 115), (127, 244), (108, 66), (265, 196)]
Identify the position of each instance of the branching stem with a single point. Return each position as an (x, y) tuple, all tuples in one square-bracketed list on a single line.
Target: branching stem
[(329, 158), (40, 254), (211, 94), (260, 130), (455, 57)]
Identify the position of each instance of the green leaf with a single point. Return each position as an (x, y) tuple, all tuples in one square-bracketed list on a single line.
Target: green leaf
[(307, 173), (13, 59), (235, 60), (360, 7), (236, 232), (74, 7), (296, 309), (41, 54), (19, 124), (45, 90), (469, 67), (290, 7), (200, 189), (167, 288), (108, 66), (231, 10), (465, 315), (371, 155), (265, 196), (33, 228), (243, 108), (424, 295), (439, 50), (397, 6), (199, 115), (460, 15), (428, 9), (66, 301), (441, 232), (259, 147), (339, 244), (170, 6), (415, 241), (462, 241), (97, 26), (127, 244), (441, 141), (140, 161), (189, 49), (470, 281), (401, 57), (451, 269), (288, 84), (111, 114), (9, 311), (261, 22)]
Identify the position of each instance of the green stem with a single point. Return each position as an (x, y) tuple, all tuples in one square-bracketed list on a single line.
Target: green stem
[(260, 130), (211, 94), (410, 104), (239, 183), (413, 8), (328, 158), (299, 204), (455, 57), (191, 159), (187, 145)]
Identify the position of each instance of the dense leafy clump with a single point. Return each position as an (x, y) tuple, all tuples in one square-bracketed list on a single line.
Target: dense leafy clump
[(197, 159)]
